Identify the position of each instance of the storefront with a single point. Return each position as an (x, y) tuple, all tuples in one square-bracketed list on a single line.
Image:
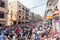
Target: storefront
[(49, 20), (57, 25)]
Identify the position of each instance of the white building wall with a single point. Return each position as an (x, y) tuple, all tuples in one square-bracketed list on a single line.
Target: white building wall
[(58, 5)]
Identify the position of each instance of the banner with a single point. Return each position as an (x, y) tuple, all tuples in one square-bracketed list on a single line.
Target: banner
[(57, 25)]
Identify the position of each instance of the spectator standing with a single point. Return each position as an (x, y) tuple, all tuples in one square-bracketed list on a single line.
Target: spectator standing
[(37, 37), (2, 37)]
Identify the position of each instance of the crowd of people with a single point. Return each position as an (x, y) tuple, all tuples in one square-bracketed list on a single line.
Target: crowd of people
[(28, 32)]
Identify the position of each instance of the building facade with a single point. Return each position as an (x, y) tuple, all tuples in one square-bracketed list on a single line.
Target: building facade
[(18, 13), (31, 16), (56, 17), (51, 5), (3, 12)]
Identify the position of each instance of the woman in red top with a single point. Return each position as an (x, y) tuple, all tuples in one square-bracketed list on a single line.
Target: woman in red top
[(17, 31), (41, 38), (53, 32)]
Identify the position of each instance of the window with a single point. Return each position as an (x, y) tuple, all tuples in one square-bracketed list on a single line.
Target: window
[(27, 10), (26, 18), (19, 22), (1, 14), (14, 22), (2, 4), (22, 22), (23, 8), (19, 6), (49, 10), (56, 8), (23, 18), (0, 24), (19, 16), (19, 10), (50, 4)]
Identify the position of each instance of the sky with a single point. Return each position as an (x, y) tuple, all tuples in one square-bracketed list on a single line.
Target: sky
[(32, 3)]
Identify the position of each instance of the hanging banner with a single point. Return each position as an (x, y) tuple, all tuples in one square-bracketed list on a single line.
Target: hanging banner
[(49, 17)]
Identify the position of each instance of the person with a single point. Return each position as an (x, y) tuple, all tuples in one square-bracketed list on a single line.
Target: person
[(30, 32), (32, 36), (17, 31), (37, 37), (11, 36), (45, 38), (19, 37), (42, 37), (57, 38), (33, 30), (2, 37)]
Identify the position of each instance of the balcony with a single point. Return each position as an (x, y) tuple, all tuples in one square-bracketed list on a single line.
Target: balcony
[(25, 20), (2, 4), (3, 9), (2, 19), (56, 17)]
